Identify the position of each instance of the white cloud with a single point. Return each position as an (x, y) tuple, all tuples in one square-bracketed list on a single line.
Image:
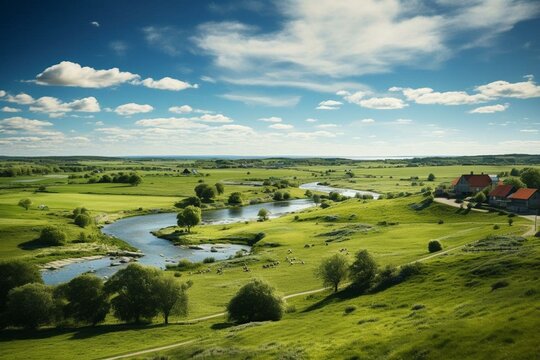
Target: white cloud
[(68, 73), (95, 24), (208, 79), (21, 99), (530, 131), (367, 121), (165, 38), (2, 93), (10, 109), (56, 108), (403, 122), (329, 105), (214, 118), (184, 109), (489, 109), (132, 108), (171, 123), (272, 119), (327, 126), (333, 39), (283, 101), (119, 47), (281, 126), (15, 124), (520, 90), (385, 103), (311, 135), (166, 83), (429, 96), (310, 120)]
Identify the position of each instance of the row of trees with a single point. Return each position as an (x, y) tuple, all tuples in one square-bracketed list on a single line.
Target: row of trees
[(134, 294), (122, 178), (528, 177)]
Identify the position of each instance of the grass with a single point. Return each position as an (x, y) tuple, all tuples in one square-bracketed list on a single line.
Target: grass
[(478, 303)]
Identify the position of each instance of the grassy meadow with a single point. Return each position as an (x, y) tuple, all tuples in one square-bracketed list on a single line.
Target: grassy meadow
[(451, 310)]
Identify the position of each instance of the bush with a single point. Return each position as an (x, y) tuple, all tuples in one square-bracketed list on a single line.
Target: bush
[(16, 273), (53, 236), (440, 222), (235, 198), (255, 301), (209, 260), (362, 271), (190, 201), (83, 220), (79, 211), (434, 246), (30, 306), (496, 227), (325, 204)]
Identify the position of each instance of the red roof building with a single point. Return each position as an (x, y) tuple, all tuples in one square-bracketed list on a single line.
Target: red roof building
[(471, 184), (523, 194), (524, 200), (498, 196)]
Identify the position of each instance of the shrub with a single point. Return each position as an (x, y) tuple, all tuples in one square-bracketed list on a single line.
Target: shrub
[(362, 271), (83, 220), (434, 246), (510, 221), (78, 211), (255, 301), (440, 222), (235, 198), (496, 227), (30, 306), (16, 273), (209, 260), (53, 236), (325, 204), (278, 196), (190, 201), (25, 203)]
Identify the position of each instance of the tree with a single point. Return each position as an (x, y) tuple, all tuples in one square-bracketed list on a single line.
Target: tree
[(53, 236), (333, 270), (308, 193), (205, 192), (514, 172), (170, 296), (133, 293), (531, 178), (79, 211), (30, 306), (480, 197), (431, 177), (25, 203), (220, 188), (434, 246), (192, 200), (278, 196), (263, 214), (135, 179), (255, 301), (16, 273), (316, 199), (86, 299), (190, 216), (515, 182), (83, 220), (362, 271), (235, 198)]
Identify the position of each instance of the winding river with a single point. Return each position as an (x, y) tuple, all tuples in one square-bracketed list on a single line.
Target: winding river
[(158, 252)]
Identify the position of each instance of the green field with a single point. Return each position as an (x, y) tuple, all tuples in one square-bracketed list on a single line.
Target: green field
[(448, 311)]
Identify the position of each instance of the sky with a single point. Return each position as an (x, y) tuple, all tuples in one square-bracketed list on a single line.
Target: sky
[(267, 78)]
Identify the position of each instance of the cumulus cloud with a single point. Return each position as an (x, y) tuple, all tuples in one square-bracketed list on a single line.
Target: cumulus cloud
[(283, 101), (327, 126), (281, 126), (379, 103), (16, 124), (56, 108), (310, 120), (367, 121), (214, 118), (166, 83), (133, 108), (171, 123), (429, 96), (184, 109), (489, 109), (520, 90), (10, 109), (272, 119), (529, 131), (21, 99), (2, 93), (329, 105)]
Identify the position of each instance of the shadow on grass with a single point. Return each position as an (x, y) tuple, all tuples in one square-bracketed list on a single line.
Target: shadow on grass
[(33, 245), (221, 326), (345, 294)]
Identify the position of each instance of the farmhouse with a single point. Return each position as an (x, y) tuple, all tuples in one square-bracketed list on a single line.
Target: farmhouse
[(498, 196), (524, 200), (471, 184)]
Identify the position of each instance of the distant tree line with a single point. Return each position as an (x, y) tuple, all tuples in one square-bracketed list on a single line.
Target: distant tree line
[(121, 178)]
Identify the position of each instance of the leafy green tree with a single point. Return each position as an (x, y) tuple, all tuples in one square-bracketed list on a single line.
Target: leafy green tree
[(86, 299), (431, 177), (515, 172), (190, 201), (135, 180), (83, 220), (531, 178), (170, 296), (308, 193), (263, 214), (480, 197), (220, 188), (30, 306), (362, 271), (515, 182), (79, 211), (16, 273), (333, 270), (132, 289), (316, 199), (255, 301), (235, 198), (190, 216), (278, 196), (53, 236), (205, 192), (25, 203)]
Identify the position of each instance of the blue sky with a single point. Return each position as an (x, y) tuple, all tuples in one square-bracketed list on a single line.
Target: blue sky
[(324, 78)]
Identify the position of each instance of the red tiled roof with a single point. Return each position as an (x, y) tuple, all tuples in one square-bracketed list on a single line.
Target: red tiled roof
[(478, 181), (455, 181), (501, 191), (523, 194)]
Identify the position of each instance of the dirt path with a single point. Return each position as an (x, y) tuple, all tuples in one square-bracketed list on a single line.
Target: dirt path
[(451, 202), (143, 352)]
